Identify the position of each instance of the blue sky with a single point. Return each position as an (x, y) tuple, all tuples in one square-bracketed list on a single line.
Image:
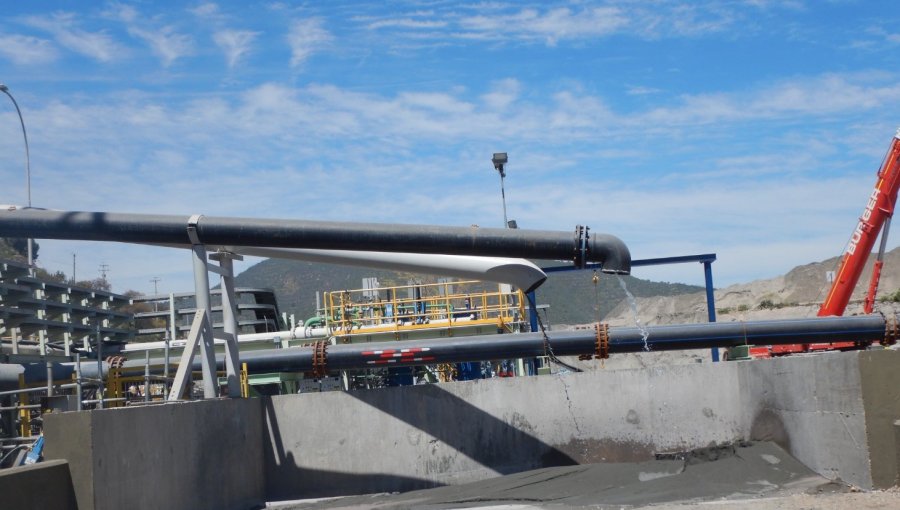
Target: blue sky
[(752, 129)]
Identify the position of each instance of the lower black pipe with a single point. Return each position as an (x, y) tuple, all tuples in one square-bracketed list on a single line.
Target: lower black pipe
[(863, 330)]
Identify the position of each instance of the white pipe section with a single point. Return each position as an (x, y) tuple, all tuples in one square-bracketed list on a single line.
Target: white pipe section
[(518, 272)]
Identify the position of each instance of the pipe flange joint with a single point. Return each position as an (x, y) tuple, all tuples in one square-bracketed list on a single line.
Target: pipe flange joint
[(582, 247), (891, 331), (602, 341), (192, 229), (320, 359)]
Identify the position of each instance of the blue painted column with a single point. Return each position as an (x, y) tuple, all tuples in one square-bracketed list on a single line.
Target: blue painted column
[(710, 301)]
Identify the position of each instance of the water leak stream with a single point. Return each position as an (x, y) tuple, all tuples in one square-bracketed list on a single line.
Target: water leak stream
[(645, 333)]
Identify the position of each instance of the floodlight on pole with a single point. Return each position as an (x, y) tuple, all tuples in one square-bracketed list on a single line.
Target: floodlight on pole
[(5, 90), (500, 159)]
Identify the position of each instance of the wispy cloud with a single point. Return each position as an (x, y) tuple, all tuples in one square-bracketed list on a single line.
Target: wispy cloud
[(503, 93), (165, 41), (406, 23), (25, 50), (64, 28), (207, 10), (637, 90), (305, 37), (235, 44), (552, 25)]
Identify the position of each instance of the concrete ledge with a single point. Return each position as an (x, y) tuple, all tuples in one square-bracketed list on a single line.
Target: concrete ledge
[(198, 455), (40, 486)]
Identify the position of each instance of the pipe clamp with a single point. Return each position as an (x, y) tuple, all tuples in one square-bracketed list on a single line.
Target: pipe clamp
[(192, 229)]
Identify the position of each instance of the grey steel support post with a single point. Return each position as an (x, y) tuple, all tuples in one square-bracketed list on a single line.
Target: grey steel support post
[(146, 376), (78, 387), (229, 320), (171, 335), (15, 340), (207, 345), (100, 388), (49, 378), (43, 346), (199, 327), (173, 326)]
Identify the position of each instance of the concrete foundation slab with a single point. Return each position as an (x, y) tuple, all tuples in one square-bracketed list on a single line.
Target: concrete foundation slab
[(724, 474)]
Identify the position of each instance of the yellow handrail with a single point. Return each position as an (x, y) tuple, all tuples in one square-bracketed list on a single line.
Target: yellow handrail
[(349, 311)]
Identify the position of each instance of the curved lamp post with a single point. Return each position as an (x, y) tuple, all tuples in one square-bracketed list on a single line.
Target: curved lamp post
[(5, 90)]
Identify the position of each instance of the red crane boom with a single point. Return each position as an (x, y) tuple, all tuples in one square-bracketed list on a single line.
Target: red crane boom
[(875, 218), (879, 208)]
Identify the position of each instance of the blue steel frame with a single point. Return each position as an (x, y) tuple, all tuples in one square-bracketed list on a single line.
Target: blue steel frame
[(706, 259)]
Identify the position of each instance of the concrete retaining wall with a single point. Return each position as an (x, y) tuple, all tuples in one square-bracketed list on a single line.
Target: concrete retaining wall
[(413, 437), (42, 486), (198, 455), (834, 412)]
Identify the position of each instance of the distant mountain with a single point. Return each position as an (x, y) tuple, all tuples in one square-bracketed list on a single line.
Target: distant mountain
[(572, 296)]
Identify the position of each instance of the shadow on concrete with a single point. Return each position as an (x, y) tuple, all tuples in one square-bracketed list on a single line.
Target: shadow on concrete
[(489, 441), (286, 480)]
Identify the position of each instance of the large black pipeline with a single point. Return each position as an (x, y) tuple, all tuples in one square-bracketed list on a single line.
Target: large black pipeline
[(864, 330), (608, 250)]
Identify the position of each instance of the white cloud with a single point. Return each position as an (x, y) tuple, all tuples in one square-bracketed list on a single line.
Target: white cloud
[(235, 44), (406, 23), (305, 37), (27, 50), (168, 44), (208, 10), (553, 25), (577, 22), (817, 96), (636, 90), (63, 26), (165, 41), (503, 93)]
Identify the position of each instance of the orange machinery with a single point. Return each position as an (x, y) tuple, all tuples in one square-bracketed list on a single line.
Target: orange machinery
[(876, 217)]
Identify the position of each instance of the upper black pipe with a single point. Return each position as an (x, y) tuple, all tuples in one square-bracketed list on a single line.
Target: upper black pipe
[(609, 250)]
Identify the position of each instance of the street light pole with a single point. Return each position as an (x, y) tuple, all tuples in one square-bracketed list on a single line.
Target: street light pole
[(5, 90), (500, 159)]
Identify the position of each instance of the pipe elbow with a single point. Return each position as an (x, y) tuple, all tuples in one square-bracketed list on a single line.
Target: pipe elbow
[(612, 253)]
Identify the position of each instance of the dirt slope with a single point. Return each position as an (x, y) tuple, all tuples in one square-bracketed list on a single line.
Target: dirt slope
[(795, 294)]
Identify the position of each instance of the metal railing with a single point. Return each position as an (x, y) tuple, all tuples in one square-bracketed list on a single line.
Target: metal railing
[(446, 304)]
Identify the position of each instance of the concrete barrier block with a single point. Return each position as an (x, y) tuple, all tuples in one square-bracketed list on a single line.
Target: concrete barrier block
[(40, 486), (881, 396), (199, 455)]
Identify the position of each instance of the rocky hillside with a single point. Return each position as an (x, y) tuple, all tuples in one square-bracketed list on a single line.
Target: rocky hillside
[(795, 294)]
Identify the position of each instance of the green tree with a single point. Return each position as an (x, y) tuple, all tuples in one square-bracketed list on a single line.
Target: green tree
[(17, 248)]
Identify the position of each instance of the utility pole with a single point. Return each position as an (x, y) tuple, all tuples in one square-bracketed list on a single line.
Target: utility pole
[(73, 269), (104, 268), (155, 280)]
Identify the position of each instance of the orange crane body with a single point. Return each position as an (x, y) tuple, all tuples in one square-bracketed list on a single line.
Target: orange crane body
[(875, 217)]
